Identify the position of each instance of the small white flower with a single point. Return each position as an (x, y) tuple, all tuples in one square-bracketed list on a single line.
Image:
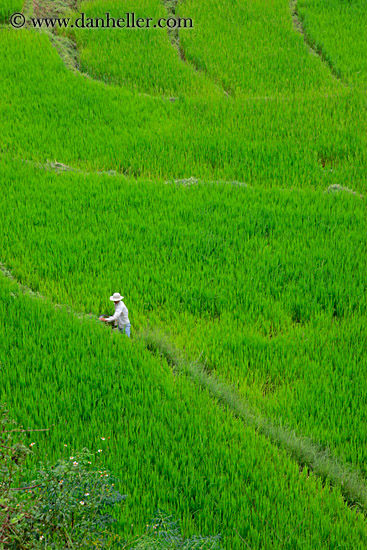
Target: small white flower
[(42, 537), (65, 445), (82, 502), (31, 445), (103, 438), (86, 494), (99, 450), (75, 463), (71, 458)]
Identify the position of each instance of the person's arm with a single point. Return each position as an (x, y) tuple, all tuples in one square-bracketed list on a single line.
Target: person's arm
[(113, 317), (109, 319)]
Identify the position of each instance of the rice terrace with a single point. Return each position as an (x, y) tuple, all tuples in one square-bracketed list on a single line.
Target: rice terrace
[(203, 165)]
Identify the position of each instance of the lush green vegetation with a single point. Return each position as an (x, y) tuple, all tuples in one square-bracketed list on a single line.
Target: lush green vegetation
[(251, 47), (337, 29), (143, 60), (286, 296), (8, 7), (169, 442), (90, 125), (68, 505), (253, 268)]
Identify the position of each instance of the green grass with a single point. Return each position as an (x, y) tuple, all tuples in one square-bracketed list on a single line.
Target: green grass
[(8, 7), (337, 29), (87, 124), (252, 48), (302, 449), (310, 378), (273, 299), (168, 442), (142, 60), (247, 50), (263, 283)]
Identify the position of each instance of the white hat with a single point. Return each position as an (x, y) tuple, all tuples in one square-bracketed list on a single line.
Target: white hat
[(116, 297)]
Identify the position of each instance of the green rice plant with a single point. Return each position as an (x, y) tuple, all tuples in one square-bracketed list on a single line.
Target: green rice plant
[(142, 60), (13, 509), (169, 444), (55, 511), (242, 50), (271, 298), (306, 452), (88, 125), (335, 28), (252, 48), (164, 533), (8, 7), (263, 283)]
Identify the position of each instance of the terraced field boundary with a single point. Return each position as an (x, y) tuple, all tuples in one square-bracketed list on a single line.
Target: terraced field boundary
[(174, 36), (59, 167), (303, 450), (66, 45), (313, 47)]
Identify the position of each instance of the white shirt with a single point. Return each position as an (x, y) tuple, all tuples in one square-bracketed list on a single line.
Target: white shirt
[(121, 315)]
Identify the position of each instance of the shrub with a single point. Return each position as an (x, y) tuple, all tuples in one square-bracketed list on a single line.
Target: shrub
[(66, 506)]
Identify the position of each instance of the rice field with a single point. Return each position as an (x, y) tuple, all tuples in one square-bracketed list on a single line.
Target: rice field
[(253, 49), (266, 300), (217, 179), (277, 142), (342, 45), (9, 7), (135, 59), (171, 446)]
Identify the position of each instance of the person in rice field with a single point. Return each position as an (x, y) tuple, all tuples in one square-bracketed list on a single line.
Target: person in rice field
[(121, 315)]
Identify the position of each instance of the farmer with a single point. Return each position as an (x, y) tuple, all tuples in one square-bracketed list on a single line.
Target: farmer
[(120, 315)]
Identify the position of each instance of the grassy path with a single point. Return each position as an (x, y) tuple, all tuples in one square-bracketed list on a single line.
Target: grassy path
[(301, 449)]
